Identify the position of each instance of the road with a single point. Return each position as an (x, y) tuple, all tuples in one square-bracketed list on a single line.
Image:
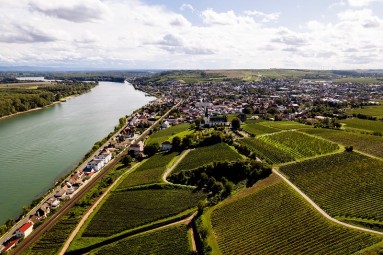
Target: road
[(49, 223), (320, 209), (169, 170)]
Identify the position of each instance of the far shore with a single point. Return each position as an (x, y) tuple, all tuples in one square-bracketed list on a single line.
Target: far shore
[(38, 108)]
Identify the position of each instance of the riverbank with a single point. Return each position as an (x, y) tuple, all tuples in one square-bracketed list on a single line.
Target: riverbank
[(40, 108)]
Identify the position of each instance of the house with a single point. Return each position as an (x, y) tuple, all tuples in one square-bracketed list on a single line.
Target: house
[(25, 230), (61, 193), (165, 124), (166, 146), (43, 211), (106, 157), (95, 164), (10, 245), (137, 148)]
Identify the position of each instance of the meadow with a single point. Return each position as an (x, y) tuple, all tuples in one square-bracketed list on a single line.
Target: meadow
[(167, 134), (347, 184), (275, 220), (170, 240), (206, 155), (365, 143), (150, 171), (124, 210)]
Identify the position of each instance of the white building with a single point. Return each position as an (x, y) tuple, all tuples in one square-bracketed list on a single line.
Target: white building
[(95, 164), (25, 230)]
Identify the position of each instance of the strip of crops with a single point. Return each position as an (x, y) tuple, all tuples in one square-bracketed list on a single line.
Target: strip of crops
[(149, 172), (284, 125), (376, 111), (205, 155), (164, 135), (129, 209), (258, 129), (346, 184), (267, 151), (366, 143), (171, 240), (275, 220), (368, 125), (300, 145)]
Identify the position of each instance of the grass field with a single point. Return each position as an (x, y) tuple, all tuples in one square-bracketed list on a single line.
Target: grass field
[(167, 134), (376, 110), (347, 184), (133, 208), (275, 220), (149, 172), (363, 125), (258, 129), (288, 146), (365, 143), (171, 240), (205, 155), (284, 125)]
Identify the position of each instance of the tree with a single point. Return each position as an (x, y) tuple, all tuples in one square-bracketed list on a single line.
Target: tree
[(349, 148), (235, 124), (151, 149), (176, 143), (127, 160), (186, 142)]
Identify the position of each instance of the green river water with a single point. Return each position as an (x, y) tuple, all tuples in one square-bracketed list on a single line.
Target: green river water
[(36, 148)]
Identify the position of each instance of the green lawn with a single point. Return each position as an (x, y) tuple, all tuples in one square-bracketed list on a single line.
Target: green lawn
[(167, 134), (366, 143), (128, 209), (150, 171), (276, 220), (171, 240), (205, 155), (347, 184)]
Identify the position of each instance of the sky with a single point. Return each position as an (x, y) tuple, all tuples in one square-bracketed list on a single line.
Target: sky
[(191, 34)]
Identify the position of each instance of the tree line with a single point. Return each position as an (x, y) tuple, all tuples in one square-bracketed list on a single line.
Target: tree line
[(13, 100)]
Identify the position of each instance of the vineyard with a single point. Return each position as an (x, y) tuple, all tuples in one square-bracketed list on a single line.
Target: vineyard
[(376, 111), (167, 134), (365, 143), (275, 220), (128, 209), (346, 184), (267, 151), (258, 129), (171, 240), (149, 172), (363, 125), (288, 146), (205, 155), (284, 125)]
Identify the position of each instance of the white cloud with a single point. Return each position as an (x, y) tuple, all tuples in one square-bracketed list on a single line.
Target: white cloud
[(265, 17), (211, 18), (187, 7), (359, 3)]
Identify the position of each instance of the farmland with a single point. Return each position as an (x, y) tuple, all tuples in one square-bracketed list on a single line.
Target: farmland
[(267, 151), (149, 172), (347, 184), (258, 129), (376, 110), (128, 209), (206, 155), (171, 240), (168, 133), (365, 143), (284, 125), (288, 146), (275, 220), (363, 125)]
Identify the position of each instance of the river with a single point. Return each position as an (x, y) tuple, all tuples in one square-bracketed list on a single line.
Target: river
[(38, 147)]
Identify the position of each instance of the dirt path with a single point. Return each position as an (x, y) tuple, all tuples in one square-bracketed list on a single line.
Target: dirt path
[(169, 170), (320, 210), (85, 217)]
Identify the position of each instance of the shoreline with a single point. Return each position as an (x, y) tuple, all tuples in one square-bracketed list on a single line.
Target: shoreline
[(39, 108)]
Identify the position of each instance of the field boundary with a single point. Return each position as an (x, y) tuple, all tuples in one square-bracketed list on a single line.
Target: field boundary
[(313, 204)]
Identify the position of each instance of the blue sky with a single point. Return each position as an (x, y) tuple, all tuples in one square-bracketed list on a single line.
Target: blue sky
[(178, 34)]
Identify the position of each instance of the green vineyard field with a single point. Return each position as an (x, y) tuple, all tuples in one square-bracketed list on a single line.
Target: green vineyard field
[(258, 129), (166, 134), (275, 220), (346, 184), (133, 208), (284, 125), (363, 125), (205, 155), (172, 241)]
